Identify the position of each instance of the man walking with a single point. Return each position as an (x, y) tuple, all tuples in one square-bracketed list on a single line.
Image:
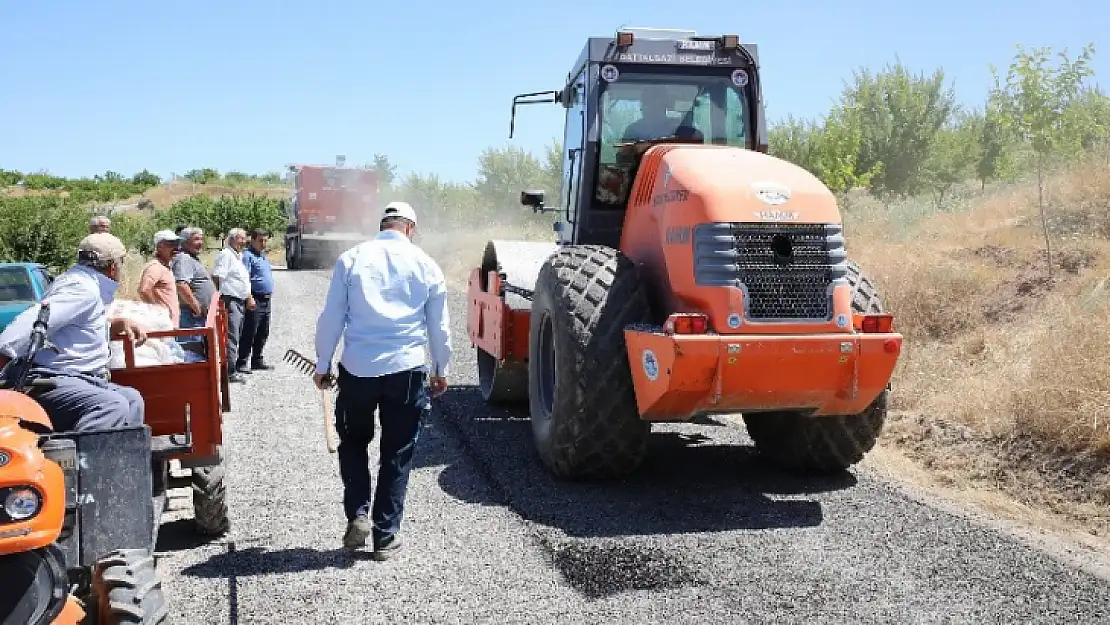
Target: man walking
[(256, 321), (231, 278), (387, 300), (156, 284)]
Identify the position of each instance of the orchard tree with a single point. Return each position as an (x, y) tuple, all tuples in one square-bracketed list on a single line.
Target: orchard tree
[(387, 172), (504, 172), (797, 141), (837, 147), (1037, 101), (953, 156), (900, 114)]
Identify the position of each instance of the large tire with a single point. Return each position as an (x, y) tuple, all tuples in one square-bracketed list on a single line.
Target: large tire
[(126, 589), (827, 444), (210, 500), (584, 416)]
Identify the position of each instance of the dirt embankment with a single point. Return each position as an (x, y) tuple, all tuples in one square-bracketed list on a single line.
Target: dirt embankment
[(1004, 386)]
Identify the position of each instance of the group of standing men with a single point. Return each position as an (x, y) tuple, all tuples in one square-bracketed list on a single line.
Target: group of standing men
[(177, 280), (386, 302)]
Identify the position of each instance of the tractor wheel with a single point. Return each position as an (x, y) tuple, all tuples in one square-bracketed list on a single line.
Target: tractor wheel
[(865, 297), (126, 589), (210, 500), (824, 444), (584, 416), (35, 586)]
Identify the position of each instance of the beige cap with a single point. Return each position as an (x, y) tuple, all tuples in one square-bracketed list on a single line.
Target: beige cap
[(104, 245)]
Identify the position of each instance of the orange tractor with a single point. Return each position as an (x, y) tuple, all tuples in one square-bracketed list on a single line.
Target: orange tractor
[(80, 511), (693, 274)]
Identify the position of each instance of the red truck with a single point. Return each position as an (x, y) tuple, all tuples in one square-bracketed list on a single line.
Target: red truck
[(332, 209)]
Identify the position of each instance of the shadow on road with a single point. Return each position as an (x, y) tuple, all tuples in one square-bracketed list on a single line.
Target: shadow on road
[(689, 483), (261, 561), (180, 535)]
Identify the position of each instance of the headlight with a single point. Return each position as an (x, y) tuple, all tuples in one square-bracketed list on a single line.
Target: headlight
[(21, 503)]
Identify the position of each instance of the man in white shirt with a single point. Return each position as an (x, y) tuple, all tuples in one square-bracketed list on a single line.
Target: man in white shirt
[(387, 300), (234, 282)]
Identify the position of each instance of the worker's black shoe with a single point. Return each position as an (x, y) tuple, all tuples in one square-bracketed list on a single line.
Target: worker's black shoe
[(261, 366), (357, 531), (387, 549), (241, 367)]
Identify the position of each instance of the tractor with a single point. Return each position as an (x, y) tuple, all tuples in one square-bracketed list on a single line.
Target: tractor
[(81, 511), (692, 275)]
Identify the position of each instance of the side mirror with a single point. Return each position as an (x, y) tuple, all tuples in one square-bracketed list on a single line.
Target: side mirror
[(533, 199)]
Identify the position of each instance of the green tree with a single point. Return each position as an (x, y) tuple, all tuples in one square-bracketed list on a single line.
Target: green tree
[(387, 171), (504, 172), (797, 141), (838, 145), (954, 154), (1038, 97), (900, 114)]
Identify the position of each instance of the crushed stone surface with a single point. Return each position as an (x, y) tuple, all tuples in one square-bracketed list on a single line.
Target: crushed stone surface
[(704, 533)]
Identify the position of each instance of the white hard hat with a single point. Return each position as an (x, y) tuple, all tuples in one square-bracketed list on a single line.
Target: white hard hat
[(399, 209)]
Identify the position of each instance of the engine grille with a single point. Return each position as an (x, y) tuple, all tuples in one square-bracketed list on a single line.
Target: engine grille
[(785, 270)]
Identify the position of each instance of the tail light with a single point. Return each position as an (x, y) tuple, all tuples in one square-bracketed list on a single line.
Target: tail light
[(686, 323), (875, 324)]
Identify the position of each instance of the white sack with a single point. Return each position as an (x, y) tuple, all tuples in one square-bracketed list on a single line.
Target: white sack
[(156, 351)]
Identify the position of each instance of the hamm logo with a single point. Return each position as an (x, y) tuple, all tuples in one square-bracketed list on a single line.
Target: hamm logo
[(771, 193)]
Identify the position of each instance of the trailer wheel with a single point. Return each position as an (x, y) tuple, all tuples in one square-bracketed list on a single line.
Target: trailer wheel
[(210, 500), (292, 262), (829, 444), (126, 589), (584, 416)]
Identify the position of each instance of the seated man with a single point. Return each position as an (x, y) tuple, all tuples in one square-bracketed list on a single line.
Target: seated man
[(654, 123), (71, 377)]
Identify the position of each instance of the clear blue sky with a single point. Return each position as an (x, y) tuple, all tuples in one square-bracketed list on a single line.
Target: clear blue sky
[(87, 86)]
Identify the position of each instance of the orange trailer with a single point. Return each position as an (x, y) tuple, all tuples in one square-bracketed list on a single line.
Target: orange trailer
[(693, 274)]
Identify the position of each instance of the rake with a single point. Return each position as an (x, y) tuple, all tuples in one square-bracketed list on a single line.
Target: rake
[(308, 366)]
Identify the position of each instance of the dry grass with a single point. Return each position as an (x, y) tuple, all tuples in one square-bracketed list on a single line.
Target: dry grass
[(1005, 381)]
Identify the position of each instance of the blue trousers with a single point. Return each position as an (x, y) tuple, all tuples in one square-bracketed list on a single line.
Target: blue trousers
[(79, 402), (403, 403)]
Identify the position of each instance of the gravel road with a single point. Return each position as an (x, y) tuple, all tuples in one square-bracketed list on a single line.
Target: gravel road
[(703, 534)]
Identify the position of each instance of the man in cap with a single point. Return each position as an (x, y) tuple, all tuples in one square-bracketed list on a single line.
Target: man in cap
[(156, 284), (72, 375), (99, 223), (387, 300)]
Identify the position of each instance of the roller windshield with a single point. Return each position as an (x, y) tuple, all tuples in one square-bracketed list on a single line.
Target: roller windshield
[(711, 106)]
